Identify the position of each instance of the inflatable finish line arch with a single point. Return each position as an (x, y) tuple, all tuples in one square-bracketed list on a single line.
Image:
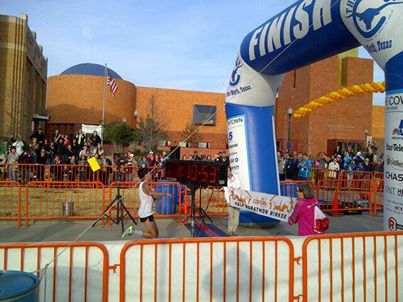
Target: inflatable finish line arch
[(305, 32)]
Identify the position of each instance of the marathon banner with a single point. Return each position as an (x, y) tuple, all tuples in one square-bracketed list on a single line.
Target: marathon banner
[(274, 206)]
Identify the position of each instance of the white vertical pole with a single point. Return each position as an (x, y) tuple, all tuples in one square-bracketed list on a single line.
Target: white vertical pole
[(104, 95)]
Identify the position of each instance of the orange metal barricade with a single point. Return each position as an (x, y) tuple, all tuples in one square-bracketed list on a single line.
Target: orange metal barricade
[(22, 173), (319, 174), (222, 269), (337, 196), (10, 201), (355, 174), (79, 274), (25, 173), (63, 200), (352, 267), (289, 187)]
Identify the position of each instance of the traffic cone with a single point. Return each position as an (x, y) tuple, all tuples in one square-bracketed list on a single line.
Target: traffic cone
[(335, 207)]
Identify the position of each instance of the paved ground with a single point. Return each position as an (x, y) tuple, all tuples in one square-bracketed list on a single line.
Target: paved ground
[(169, 228)]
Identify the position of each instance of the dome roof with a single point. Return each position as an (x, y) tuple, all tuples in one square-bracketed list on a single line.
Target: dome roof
[(90, 69)]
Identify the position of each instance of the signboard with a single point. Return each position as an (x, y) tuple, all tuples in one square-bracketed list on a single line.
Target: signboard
[(237, 148), (274, 206), (89, 129)]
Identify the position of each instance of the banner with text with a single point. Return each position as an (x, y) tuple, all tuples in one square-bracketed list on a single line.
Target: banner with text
[(274, 206)]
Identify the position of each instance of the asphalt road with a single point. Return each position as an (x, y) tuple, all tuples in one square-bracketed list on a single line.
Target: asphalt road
[(44, 231)]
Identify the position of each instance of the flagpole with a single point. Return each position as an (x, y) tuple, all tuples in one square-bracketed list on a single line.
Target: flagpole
[(104, 95)]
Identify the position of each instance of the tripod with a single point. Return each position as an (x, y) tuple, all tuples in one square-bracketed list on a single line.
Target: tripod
[(121, 211), (192, 216)]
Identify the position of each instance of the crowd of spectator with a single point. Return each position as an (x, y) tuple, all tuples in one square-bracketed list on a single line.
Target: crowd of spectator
[(220, 157), (67, 155), (299, 166)]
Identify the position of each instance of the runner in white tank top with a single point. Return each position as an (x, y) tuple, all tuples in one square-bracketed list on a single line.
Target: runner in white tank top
[(145, 212), (146, 203)]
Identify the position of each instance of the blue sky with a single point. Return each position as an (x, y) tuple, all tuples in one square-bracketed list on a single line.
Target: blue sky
[(156, 43)]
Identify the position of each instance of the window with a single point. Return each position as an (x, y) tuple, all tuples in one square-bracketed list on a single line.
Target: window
[(204, 113)]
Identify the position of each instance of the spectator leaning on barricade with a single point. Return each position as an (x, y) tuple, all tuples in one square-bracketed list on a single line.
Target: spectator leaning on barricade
[(321, 160), (291, 167), (19, 145), (304, 168), (367, 166), (333, 168), (12, 161)]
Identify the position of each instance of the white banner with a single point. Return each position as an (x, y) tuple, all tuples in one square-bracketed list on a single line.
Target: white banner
[(89, 129), (274, 206)]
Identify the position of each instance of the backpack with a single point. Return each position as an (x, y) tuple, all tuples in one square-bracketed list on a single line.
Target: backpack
[(321, 222)]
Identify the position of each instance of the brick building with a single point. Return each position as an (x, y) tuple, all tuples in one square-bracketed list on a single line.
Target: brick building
[(348, 121), (75, 98), (23, 73)]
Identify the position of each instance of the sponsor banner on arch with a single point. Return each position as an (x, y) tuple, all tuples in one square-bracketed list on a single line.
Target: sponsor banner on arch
[(274, 206), (393, 191)]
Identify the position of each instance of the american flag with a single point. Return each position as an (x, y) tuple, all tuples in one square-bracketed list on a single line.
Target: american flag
[(113, 87)]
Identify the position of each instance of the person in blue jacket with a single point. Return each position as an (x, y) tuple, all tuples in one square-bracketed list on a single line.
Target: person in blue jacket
[(304, 167)]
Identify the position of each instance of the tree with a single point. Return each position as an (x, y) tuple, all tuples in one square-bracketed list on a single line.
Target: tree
[(192, 134), (150, 128), (120, 135), (150, 133)]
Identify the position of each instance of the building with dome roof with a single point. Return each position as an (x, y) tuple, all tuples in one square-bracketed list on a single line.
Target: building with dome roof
[(75, 97), (90, 69)]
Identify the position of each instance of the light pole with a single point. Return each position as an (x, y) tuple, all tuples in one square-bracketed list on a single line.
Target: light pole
[(366, 138), (290, 112), (135, 118)]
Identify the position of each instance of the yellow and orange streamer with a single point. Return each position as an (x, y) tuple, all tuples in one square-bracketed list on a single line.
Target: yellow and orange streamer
[(353, 90)]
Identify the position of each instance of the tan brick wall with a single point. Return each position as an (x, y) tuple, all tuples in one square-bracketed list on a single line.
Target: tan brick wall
[(175, 109), (77, 99), (378, 122), (346, 119)]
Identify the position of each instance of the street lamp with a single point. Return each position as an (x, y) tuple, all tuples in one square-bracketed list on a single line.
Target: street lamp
[(124, 120), (290, 112)]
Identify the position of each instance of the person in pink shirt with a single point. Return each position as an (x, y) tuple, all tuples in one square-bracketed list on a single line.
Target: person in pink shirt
[(304, 211)]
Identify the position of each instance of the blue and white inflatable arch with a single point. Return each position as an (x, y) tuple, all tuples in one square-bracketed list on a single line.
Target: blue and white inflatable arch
[(306, 32)]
